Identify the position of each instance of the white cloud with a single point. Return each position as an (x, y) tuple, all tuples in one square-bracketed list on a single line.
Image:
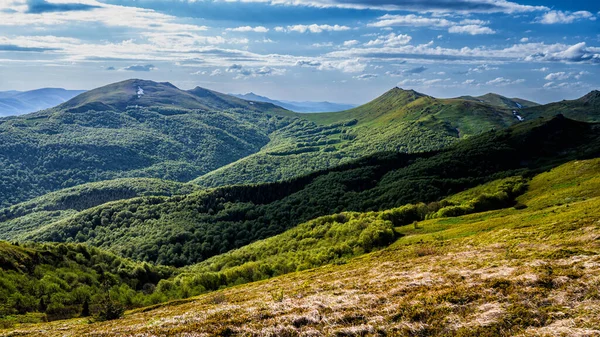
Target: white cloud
[(471, 29), (542, 69), (243, 72), (324, 44), (529, 52), (390, 40), (481, 68), (467, 26), (257, 29), (314, 28), (389, 20), (554, 17), (524, 39), (350, 43), (561, 75), (501, 81), (216, 72), (470, 6), (346, 66)]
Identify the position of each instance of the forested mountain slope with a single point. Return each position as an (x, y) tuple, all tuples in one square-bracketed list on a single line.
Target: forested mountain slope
[(133, 128), (57, 205), (586, 108), (499, 100), (182, 230), (398, 121), (529, 270)]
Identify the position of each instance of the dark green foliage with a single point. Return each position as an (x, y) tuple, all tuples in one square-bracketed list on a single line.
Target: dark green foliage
[(51, 207), (182, 230), (110, 133)]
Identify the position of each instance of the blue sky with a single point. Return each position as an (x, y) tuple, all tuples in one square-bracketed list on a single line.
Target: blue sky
[(337, 50)]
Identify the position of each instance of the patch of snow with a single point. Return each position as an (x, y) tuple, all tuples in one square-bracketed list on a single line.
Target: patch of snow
[(519, 105), (140, 92), (520, 118), (251, 103)]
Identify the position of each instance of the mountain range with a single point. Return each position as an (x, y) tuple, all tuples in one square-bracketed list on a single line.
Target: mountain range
[(305, 106), (392, 216), (22, 102)]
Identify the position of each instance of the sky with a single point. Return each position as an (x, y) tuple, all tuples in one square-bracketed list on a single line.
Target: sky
[(347, 51)]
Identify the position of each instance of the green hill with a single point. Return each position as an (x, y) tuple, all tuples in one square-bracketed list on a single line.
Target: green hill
[(529, 270), (182, 230), (112, 132), (54, 206), (501, 101), (586, 108), (399, 121)]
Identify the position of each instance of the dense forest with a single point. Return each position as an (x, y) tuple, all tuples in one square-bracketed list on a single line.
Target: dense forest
[(397, 121), (67, 146), (59, 281), (182, 230)]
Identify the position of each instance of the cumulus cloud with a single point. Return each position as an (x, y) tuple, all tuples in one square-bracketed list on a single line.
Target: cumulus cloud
[(243, 72), (576, 53), (561, 75), (554, 17), (140, 67), (314, 28), (350, 43), (346, 66), (257, 29), (467, 26), (471, 29), (501, 81), (390, 40)]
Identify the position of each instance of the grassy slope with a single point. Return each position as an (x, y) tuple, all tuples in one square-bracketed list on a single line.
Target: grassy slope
[(586, 108), (499, 100), (526, 272), (399, 120), (54, 206), (186, 229), (110, 133)]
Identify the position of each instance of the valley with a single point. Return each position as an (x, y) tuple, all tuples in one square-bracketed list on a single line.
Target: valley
[(178, 201)]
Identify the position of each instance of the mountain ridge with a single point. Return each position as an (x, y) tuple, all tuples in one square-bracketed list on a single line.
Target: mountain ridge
[(299, 106)]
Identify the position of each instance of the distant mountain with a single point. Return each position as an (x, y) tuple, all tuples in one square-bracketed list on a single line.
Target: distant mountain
[(142, 93), (305, 106), (501, 101), (22, 102), (398, 121), (585, 108), (133, 128)]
